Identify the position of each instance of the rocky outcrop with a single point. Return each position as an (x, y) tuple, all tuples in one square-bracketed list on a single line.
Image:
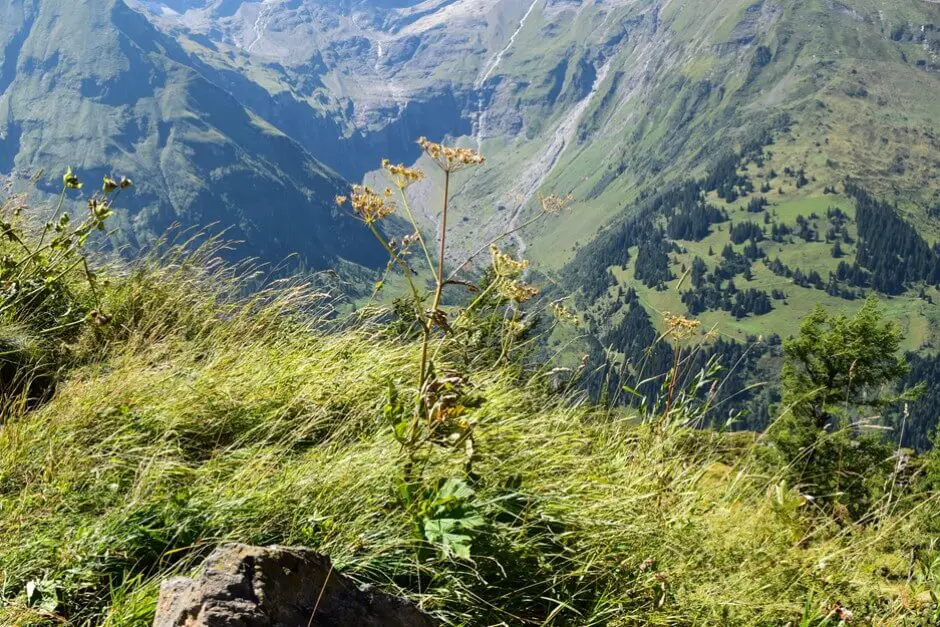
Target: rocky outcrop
[(247, 586)]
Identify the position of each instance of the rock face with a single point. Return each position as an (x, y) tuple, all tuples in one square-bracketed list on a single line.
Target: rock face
[(247, 586)]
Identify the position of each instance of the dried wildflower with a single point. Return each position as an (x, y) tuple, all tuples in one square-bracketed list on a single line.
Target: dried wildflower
[(841, 613), (438, 318), (678, 327), (341, 200), (562, 314), (99, 318), (450, 159), (553, 204), (109, 185), (517, 291), (368, 205), (505, 266), (447, 397), (401, 175), (125, 182)]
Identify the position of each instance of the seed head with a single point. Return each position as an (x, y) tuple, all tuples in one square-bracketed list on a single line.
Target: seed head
[(505, 266), (517, 291), (553, 204), (368, 205), (450, 159), (678, 327), (401, 175)]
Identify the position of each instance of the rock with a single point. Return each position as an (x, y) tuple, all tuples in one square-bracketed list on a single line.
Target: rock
[(248, 586)]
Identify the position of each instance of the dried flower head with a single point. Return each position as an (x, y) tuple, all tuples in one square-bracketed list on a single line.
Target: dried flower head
[(678, 327), (407, 241), (401, 175), (843, 614), (448, 398), (553, 204), (369, 205), (505, 266), (517, 291), (450, 159)]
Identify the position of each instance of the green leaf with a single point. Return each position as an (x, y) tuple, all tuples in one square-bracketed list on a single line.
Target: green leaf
[(630, 390), (455, 489), (396, 415), (446, 532)]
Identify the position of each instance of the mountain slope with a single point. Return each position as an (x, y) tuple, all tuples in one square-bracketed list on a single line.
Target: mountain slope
[(95, 85), (611, 101), (601, 99)]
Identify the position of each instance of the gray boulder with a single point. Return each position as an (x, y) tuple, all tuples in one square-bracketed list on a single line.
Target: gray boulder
[(248, 586)]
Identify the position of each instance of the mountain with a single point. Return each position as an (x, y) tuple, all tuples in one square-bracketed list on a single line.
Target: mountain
[(95, 85), (773, 107)]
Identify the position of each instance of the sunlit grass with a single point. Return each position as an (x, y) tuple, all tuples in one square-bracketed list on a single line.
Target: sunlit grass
[(206, 417)]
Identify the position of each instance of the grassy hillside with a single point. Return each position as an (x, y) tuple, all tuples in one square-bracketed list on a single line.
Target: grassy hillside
[(787, 203), (178, 415)]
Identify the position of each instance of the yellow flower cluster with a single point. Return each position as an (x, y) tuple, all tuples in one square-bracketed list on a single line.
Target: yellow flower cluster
[(563, 314), (507, 270), (368, 205), (553, 204), (505, 266), (678, 327), (517, 291), (401, 175), (450, 159)]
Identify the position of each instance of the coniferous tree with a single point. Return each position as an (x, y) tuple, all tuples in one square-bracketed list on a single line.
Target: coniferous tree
[(835, 372)]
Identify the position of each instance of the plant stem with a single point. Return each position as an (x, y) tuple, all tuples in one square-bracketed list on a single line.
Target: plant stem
[(493, 241), (91, 281), (401, 264), (414, 223), (425, 324), (435, 305), (55, 214), (440, 259), (672, 383)]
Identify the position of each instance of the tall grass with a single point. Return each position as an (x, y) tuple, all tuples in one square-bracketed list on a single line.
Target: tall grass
[(202, 416)]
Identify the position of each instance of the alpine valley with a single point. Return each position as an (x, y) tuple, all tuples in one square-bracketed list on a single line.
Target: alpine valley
[(736, 160), (469, 313)]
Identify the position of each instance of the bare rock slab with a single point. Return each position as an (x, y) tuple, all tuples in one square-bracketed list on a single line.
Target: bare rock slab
[(248, 586)]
